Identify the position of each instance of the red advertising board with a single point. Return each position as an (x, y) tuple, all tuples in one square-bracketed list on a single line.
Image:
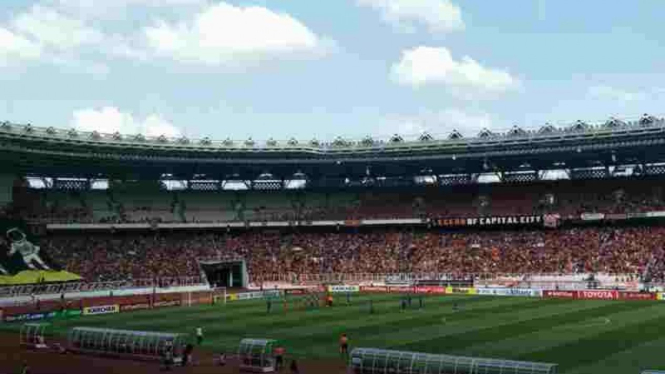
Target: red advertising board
[(559, 294), (598, 294), (637, 295), (295, 291), (430, 289), (374, 289), (131, 307)]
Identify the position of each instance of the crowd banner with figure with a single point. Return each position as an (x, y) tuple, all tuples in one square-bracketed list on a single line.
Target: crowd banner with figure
[(22, 260)]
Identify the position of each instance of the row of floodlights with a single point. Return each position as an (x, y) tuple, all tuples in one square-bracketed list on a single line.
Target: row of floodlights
[(516, 131)]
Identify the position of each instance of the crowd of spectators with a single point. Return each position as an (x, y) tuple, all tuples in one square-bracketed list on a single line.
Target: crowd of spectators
[(124, 255)]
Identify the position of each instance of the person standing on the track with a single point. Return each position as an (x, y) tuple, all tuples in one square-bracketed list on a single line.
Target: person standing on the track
[(344, 345)]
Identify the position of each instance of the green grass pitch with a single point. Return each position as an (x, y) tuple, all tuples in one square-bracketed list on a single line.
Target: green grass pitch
[(582, 336)]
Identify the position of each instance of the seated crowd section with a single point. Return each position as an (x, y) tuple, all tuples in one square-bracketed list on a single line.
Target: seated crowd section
[(152, 204), (126, 255)]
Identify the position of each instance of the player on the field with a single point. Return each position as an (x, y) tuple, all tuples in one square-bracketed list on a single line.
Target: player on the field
[(343, 344), (199, 335), (268, 305), (403, 303), (420, 301), (371, 307), (348, 298)]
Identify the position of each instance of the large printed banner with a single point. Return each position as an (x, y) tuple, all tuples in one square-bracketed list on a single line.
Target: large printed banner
[(104, 309), (524, 292), (559, 294), (461, 290), (343, 289), (490, 221)]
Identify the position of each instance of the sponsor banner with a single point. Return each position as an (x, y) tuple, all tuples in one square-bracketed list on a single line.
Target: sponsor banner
[(430, 289), (398, 289), (104, 309), (297, 291), (490, 221), (592, 216), (343, 289), (551, 220), (524, 292), (637, 295), (165, 303), (29, 317), (461, 290), (68, 313), (559, 294), (660, 296), (374, 289), (132, 307), (232, 297), (598, 294), (258, 294)]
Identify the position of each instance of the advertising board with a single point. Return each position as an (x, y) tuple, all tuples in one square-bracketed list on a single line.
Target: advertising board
[(103, 309), (430, 289), (343, 289), (461, 290), (598, 294), (258, 294), (165, 303), (295, 291), (524, 292), (374, 289), (637, 295), (132, 307), (29, 317), (559, 294)]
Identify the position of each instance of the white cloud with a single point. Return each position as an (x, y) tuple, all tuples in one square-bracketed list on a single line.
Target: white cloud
[(225, 34), (54, 29), (438, 123), (439, 16), (16, 47), (615, 94), (422, 66), (109, 120), (114, 8)]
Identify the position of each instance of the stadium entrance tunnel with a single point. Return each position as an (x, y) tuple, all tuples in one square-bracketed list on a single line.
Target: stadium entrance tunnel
[(126, 343), (257, 355), (381, 361), (229, 274)]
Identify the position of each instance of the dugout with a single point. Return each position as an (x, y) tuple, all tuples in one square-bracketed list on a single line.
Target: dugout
[(381, 361), (257, 355), (137, 344), (34, 335)]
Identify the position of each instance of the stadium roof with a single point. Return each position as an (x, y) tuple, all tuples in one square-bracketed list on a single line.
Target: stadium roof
[(28, 149)]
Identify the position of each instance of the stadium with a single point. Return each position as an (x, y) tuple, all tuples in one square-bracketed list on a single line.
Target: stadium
[(527, 251)]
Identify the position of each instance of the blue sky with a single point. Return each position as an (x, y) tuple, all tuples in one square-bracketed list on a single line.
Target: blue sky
[(305, 69)]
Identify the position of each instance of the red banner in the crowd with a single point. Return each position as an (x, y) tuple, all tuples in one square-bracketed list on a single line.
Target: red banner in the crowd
[(598, 294), (559, 294), (430, 289), (637, 295)]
